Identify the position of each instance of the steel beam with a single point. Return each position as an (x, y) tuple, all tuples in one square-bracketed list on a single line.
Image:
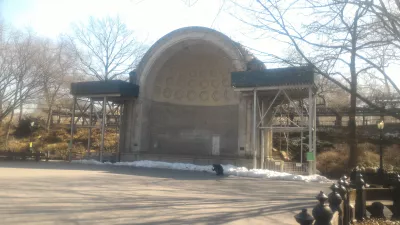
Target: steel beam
[(103, 125), (254, 129)]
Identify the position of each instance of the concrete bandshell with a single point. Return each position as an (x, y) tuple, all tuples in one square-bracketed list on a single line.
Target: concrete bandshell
[(141, 114)]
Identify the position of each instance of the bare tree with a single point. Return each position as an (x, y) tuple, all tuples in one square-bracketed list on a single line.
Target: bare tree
[(18, 74), (386, 17), (106, 48), (57, 66), (338, 39)]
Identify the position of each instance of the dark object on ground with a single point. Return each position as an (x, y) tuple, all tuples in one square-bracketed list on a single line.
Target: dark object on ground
[(376, 210), (218, 169), (304, 218)]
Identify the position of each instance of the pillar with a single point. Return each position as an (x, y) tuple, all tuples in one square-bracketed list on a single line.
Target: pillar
[(248, 125)]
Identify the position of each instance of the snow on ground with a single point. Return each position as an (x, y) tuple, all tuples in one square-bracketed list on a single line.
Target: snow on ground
[(392, 135), (228, 170)]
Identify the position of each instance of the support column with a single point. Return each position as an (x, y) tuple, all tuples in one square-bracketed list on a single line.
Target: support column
[(301, 133), (262, 149), (310, 134), (254, 129), (248, 126), (90, 128), (271, 143), (71, 143), (121, 109), (267, 121), (315, 133), (242, 125), (103, 124), (301, 147)]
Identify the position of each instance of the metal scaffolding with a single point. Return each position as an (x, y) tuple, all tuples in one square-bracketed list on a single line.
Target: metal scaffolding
[(99, 101), (95, 113), (287, 91)]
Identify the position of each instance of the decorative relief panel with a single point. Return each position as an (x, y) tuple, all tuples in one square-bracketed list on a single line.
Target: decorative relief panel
[(195, 80)]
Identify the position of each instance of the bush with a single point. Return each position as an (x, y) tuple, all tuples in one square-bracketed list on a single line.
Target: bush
[(333, 163), (59, 149), (18, 145), (24, 129)]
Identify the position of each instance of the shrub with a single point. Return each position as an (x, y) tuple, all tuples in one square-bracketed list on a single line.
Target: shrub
[(18, 145), (333, 163)]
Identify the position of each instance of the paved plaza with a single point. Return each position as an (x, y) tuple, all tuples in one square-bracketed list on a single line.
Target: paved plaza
[(62, 193)]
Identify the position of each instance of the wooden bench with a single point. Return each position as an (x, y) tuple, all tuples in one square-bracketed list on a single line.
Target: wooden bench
[(382, 195)]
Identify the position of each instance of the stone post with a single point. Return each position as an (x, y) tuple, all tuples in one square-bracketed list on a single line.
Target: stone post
[(344, 193), (321, 212), (335, 199), (304, 218), (360, 207), (396, 200)]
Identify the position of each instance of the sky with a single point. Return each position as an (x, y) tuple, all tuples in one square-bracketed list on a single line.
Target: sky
[(150, 19)]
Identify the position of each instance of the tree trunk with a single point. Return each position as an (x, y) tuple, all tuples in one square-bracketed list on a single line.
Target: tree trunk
[(354, 153), (49, 116), (21, 106), (1, 105), (9, 128)]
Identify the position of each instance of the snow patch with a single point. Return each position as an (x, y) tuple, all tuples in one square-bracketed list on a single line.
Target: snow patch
[(394, 135), (228, 170)]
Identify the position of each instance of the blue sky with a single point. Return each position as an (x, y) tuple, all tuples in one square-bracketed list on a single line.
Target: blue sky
[(150, 19)]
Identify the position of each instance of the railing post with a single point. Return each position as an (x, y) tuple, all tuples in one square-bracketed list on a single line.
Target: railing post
[(360, 207), (344, 192), (353, 177), (304, 218), (335, 200), (321, 212), (396, 200)]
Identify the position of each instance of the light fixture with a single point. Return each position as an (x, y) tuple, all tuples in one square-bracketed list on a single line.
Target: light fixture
[(381, 125)]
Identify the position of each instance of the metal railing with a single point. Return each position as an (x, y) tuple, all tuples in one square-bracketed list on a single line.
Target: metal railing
[(287, 167)]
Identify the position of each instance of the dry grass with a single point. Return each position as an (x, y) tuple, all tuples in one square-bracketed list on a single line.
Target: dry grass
[(378, 222), (56, 141), (333, 163)]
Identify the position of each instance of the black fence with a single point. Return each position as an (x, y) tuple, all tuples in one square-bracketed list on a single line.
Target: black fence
[(9, 155), (350, 200)]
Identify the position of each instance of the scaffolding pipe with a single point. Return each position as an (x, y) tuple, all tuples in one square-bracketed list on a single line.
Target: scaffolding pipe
[(90, 128), (315, 134), (262, 138), (310, 135), (301, 133), (72, 129), (103, 122), (301, 147), (121, 109), (269, 107), (254, 129)]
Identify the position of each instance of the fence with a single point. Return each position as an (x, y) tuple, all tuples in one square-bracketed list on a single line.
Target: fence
[(349, 202), (9, 155), (288, 167)]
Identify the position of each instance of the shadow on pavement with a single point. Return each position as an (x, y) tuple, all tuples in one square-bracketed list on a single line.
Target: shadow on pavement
[(152, 172), (148, 196)]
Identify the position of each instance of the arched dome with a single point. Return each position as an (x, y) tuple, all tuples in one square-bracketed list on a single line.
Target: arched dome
[(191, 66)]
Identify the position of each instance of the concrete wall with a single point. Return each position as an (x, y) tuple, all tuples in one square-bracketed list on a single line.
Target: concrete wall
[(191, 129), (193, 104)]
